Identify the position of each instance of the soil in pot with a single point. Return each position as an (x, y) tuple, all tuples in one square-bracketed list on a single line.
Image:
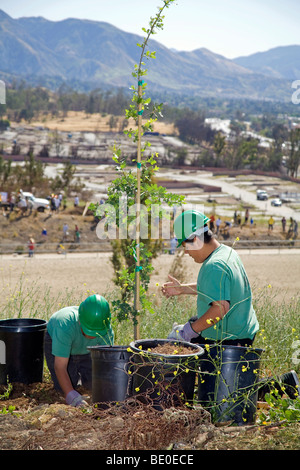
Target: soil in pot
[(172, 349), (164, 371)]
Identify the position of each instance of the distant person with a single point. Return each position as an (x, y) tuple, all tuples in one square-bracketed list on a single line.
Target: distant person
[(12, 202), (52, 203), (291, 227), (227, 227), (218, 224), (77, 234), (57, 203), (283, 223), (295, 228), (44, 232), (76, 201), (212, 223), (65, 231), (173, 244), (235, 215), (22, 205), (271, 223), (30, 205), (31, 246)]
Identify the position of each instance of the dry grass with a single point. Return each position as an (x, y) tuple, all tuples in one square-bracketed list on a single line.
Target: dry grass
[(78, 121)]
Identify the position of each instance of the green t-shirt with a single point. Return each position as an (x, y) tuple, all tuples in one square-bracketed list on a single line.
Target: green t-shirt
[(67, 337), (222, 277)]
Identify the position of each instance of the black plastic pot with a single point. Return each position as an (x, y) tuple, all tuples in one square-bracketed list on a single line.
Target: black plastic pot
[(110, 378), (163, 380), (22, 346), (228, 383)]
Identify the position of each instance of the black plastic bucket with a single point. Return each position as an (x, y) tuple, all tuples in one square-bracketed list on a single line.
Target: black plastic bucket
[(164, 380), (22, 350), (110, 378), (228, 382)]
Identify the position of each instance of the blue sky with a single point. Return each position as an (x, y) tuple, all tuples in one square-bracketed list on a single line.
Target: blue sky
[(228, 27)]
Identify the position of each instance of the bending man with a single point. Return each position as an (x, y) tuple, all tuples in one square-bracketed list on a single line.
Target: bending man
[(69, 332)]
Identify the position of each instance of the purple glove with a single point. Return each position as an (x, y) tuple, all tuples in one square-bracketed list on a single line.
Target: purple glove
[(75, 399), (183, 332)]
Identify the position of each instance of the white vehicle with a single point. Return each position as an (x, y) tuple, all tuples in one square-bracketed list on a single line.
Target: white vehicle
[(36, 203), (276, 202), (261, 195)]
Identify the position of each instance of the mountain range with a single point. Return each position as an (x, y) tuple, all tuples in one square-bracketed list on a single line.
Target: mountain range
[(93, 54)]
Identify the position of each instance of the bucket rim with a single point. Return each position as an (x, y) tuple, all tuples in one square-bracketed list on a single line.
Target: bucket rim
[(23, 325), (107, 347), (199, 351), (21, 319)]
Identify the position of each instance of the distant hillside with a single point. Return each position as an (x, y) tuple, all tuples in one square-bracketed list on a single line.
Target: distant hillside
[(280, 62), (96, 54)]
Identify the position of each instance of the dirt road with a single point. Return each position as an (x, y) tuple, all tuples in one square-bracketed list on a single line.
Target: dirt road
[(235, 189)]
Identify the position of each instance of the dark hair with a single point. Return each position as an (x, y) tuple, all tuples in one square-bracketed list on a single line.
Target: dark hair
[(208, 236)]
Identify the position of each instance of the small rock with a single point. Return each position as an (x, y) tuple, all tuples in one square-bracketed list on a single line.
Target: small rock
[(50, 423), (60, 433), (116, 423)]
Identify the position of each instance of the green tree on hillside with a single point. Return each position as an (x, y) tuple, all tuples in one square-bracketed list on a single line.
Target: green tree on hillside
[(219, 146), (192, 128)]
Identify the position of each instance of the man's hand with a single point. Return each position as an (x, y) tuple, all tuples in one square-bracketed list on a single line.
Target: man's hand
[(75, 399), (173, 287), (183, 332)]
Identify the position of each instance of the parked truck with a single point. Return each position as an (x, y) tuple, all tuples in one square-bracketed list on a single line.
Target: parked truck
[(262, 195), (36, 203), (24, 200)]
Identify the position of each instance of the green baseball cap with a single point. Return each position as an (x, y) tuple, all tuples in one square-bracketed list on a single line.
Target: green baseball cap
[(94, 315), (187, 223)]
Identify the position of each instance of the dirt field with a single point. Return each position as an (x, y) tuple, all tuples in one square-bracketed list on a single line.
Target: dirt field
[(84, 273), (78, 121)]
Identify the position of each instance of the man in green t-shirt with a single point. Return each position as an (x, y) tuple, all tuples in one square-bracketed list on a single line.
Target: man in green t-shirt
[(224, 299), (69, 333)]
